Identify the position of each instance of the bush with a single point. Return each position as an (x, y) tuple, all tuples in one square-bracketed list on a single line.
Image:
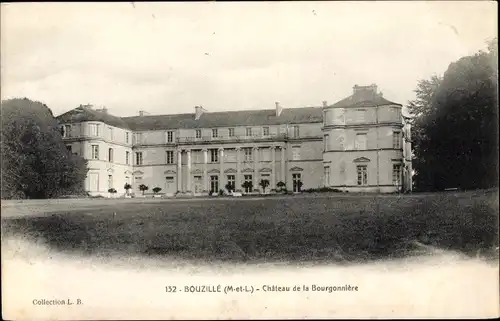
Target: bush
[(112, 190), (156, 190)]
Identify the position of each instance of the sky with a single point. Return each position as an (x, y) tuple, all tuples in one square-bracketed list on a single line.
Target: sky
[(166, 58)]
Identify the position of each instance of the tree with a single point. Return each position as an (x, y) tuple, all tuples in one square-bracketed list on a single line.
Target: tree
[(247, 185), (264, 183), (229, 187), (35, 160), (281, 185), (112, 191), (127, 188), (143, 188), (156, 190), (454, 126)]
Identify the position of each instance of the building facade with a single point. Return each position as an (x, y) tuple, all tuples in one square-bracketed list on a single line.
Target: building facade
[(359, 144)]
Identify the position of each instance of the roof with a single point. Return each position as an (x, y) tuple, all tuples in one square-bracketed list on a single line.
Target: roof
[(227, 119), (85, 113), (207, 119), (363, 97)]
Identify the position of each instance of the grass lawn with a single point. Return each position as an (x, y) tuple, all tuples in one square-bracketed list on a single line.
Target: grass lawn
[(328, 227)]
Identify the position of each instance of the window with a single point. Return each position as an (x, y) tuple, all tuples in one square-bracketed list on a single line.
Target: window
[(198, 133), (360, 141), (248, 178), (342, 142), (396, 114), (215, 133), (214, 156), (170, 136), (396, 174), (137, 138), (361, 115), (231, 180), (326, 142), (362, 175), (110, 155), (396, 140), (94, 129), (248, 154), (170, 156), (197, 157), (296, 153), (249, 131), (265, 131), (297, 182), (110, 181), (69, 148), (214, 183), (296, 131), (95, 151), (327, 176), (127, 134), (127, 158), (138, 158), (231, 132), (111, 136), (66, 131)]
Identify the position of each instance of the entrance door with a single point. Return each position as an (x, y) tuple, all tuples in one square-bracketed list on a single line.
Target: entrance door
[(296, 182), (170, 185), (214, 184), (198, 184)]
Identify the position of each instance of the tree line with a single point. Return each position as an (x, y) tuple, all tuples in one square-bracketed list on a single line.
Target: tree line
[(454, 122)]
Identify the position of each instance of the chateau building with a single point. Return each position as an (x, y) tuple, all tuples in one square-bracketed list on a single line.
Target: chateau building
[(359, 144)]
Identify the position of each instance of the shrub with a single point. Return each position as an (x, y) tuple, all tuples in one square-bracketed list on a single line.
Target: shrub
[(143, 188), (264, 183), (156, 190)]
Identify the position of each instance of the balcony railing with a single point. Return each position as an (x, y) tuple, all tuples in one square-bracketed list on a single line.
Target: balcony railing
[(204, 139)]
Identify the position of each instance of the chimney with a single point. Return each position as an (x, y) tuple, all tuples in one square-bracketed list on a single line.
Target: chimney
[(198, 111), (279, 109), (364, 92), (325, 103)]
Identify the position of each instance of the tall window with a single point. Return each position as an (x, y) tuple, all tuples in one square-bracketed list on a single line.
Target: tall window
[(248, 178), (362, 174), (396, 140), (111, 136), (396, 174), (326, 142), (361, 115), (110, 181), (95, 151), (296, 153), (342, 142), (127, 137), (110, 155), (361, 141), (296, 132), (265, 131), (69, 148), (248, 154), (66, 131), (231, 180), (231, 132), (170, 156), (137, 138), (138, 158), (170, 136), (215, 133), (249, 131), (214, 156), (94, 129), (127, 158), (198, 133), (327, 176)]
